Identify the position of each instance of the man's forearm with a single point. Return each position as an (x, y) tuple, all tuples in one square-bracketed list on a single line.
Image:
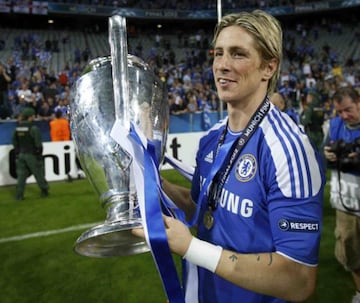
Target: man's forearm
[(268, 273)]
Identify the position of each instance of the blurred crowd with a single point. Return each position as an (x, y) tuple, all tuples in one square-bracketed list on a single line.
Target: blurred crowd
[(26, 81), (28, 85), (188, 4)]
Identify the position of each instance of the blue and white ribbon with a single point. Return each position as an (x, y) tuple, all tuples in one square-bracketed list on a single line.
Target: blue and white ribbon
[(184, 169), (147, 179)]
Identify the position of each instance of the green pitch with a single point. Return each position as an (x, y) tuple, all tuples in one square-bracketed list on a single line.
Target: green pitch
[(38, 264)]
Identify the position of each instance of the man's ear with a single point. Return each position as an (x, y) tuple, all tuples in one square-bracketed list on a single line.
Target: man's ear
[(270, 68)]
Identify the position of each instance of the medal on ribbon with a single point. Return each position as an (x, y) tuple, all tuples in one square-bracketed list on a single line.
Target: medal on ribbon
[(208, 219)]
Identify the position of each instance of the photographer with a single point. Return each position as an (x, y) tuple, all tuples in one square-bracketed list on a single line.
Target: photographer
[(342, 152)]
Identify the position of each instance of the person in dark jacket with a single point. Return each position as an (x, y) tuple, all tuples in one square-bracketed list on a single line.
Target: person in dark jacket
[(312, 118), (27, 142)]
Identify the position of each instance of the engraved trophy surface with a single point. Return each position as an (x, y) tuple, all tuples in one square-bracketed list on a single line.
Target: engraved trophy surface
[(94, 107)]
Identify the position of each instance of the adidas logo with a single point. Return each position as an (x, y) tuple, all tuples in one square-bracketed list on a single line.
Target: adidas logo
[(209, 157)]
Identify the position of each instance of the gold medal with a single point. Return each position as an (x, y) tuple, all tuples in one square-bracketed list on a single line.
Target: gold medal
[(208, 219)]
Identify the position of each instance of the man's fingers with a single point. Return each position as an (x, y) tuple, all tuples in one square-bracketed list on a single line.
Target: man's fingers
[(166, 220), (139, 232)]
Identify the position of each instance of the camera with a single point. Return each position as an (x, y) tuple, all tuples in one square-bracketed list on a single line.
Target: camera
[(342, 151)]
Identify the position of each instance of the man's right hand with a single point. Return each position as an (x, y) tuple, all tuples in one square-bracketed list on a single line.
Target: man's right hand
[(329, 155)]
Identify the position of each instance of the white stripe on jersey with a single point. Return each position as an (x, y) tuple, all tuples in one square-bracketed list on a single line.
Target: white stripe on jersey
[(301, 177), (217, 125), (280, 153)]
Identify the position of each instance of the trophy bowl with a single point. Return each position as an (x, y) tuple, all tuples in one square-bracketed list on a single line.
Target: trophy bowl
[(106, 164)]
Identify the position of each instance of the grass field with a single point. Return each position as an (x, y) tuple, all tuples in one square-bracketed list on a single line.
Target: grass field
[(38, 264)]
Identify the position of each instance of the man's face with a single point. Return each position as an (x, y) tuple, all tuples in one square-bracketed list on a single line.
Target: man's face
[(236, 65), (348, 110)]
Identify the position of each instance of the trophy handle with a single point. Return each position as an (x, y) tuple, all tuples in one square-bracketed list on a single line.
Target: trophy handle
[(120, 73)]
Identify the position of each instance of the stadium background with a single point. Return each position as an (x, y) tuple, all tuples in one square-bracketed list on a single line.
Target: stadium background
[(37, 236)]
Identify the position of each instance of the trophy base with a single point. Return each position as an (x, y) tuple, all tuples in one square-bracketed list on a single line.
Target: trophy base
[(111, 240)]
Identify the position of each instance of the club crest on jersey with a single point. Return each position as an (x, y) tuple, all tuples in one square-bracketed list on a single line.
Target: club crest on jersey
[(246, 168)]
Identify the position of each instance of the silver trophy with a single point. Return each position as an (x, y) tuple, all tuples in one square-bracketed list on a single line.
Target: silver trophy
[(118, 87)]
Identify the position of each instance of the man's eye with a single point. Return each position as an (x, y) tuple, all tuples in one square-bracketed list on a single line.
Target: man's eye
[(238, 54)]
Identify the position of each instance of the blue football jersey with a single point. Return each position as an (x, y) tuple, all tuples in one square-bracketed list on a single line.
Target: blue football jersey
[(271, 201)]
